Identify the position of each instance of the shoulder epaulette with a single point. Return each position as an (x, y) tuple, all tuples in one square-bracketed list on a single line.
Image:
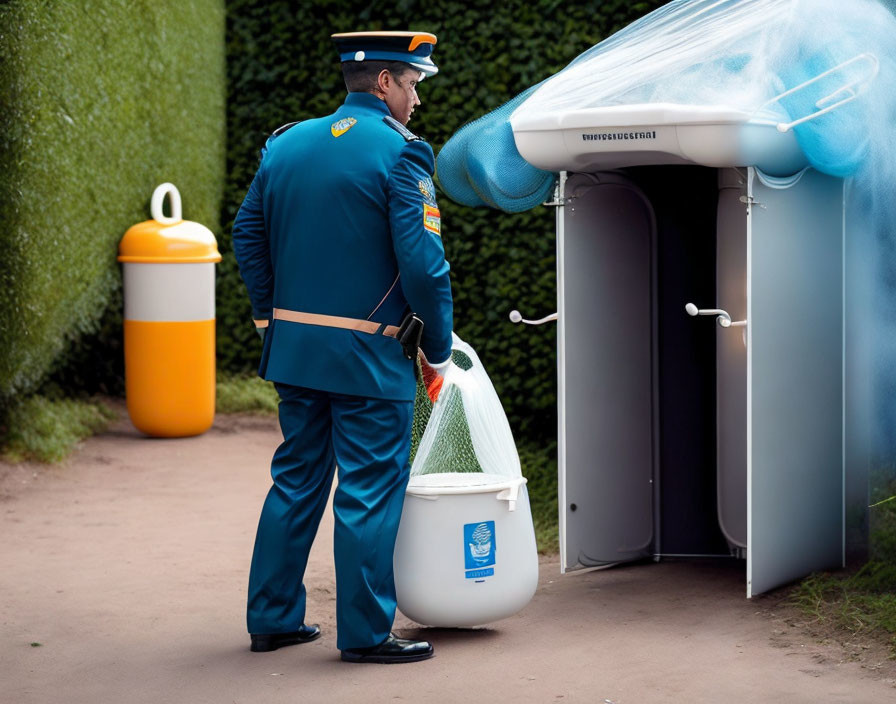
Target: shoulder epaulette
[(401, 129), (280, 130)]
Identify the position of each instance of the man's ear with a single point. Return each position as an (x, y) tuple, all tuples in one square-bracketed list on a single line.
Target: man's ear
[(384, 80)]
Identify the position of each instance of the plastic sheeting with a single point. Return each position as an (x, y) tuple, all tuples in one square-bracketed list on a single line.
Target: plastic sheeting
[(467, 430), (745, 54)]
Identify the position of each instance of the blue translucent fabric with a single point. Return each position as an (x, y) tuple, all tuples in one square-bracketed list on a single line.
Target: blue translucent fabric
[(480, 165)]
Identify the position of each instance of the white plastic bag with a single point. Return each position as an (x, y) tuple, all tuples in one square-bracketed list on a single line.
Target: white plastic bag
[(467, 432)]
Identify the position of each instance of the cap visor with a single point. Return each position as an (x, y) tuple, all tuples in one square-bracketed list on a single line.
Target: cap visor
[(426, 65)]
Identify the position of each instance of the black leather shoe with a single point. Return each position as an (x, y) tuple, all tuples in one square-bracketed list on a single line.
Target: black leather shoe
[(391, 650), (266, 642)]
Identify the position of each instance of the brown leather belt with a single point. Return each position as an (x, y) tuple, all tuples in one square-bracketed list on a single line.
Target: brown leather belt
[(331, 321)]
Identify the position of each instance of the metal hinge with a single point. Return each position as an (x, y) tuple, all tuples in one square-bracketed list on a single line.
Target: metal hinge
[(557, 201), (749, 201)]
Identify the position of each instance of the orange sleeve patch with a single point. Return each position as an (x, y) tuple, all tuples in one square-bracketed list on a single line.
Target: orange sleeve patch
[(432, 219)]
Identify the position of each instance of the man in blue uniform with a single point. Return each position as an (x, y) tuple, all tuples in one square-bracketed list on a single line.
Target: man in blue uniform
[(337, 240)]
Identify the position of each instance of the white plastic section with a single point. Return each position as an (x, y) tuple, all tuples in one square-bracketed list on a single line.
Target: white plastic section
[(432, 486), (169, 292), (795, 378), (593, 139), (158, 197), (444, 579)]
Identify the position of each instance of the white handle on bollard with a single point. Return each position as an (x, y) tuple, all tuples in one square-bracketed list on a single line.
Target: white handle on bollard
[(158, 197)]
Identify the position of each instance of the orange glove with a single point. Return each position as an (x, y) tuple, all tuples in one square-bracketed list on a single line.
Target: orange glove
[(432, 377)]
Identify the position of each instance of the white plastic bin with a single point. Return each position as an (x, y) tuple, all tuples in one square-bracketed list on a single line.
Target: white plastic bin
[(466, 553)]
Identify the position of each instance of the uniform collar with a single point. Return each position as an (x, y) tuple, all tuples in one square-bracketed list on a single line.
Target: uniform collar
[(366, 100)]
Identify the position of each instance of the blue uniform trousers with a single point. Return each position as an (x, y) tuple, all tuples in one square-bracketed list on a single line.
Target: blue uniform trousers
[(369, 441)]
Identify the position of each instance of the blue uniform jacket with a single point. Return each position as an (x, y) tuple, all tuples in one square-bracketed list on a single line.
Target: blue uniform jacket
[(339, 207)]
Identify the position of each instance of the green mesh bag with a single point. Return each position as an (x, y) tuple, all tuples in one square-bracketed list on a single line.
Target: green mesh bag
[(422, 411)]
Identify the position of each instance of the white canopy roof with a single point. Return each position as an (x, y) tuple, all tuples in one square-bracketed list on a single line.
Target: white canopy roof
[(655, 133)]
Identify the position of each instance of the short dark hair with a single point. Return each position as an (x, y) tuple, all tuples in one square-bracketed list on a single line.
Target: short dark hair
[(360, 76)]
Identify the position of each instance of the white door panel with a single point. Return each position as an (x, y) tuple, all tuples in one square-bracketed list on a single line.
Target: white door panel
[(794, 379), (606, 373)]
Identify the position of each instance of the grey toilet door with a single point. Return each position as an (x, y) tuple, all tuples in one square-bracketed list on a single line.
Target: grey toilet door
[(606, 233), (795, 337)]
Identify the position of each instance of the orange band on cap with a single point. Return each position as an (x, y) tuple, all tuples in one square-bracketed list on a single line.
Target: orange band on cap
[(422, 38)]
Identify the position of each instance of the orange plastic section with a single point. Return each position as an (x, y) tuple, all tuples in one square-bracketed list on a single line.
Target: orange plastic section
[(170, 376), (422, 38), (185, 242)]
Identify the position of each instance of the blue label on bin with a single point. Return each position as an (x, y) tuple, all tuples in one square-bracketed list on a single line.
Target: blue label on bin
[(479, 545), (479, 574)]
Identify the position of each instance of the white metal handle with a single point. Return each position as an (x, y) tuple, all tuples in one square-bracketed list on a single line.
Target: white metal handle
[(516, 317), (844, 94), (158, 198), (724, 319)]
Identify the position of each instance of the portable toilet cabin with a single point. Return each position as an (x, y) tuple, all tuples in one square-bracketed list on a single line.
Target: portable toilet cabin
[(701, 341)]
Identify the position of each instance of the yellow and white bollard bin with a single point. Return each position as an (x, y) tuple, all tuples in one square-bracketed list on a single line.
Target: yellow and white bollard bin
[(169, 321)]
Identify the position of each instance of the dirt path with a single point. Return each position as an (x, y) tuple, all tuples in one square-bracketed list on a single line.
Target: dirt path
[(128, 566)]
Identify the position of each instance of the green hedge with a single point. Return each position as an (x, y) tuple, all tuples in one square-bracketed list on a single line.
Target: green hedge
[(282, 67), (100, 101), (47, 430)]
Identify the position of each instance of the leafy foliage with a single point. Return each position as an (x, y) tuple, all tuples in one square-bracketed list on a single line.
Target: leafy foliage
[(882, 515), (245, 394), (283, 67), (861, 603), (100, 101), (47, 430), (539, 464)]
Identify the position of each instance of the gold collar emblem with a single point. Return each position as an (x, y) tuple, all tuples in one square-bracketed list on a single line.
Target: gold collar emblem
[(342, 126)]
